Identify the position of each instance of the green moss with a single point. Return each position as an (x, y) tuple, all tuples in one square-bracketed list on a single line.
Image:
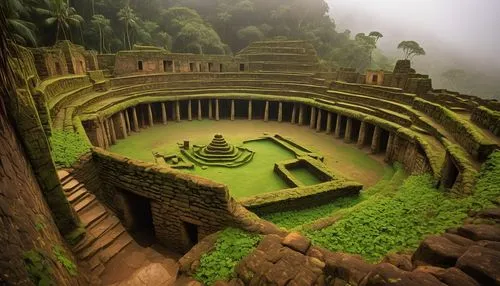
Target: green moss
[(61, 256), (37, 265), (76, 235), (397, 219), (232, 245), (67, 147)]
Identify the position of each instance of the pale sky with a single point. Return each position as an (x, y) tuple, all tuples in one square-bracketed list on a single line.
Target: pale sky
[(451, 31)]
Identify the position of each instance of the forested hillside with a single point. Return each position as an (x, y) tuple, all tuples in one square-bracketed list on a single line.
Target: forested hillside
[(208, 26)]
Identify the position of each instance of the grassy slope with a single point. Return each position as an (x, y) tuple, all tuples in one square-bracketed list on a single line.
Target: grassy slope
[(392, 216)]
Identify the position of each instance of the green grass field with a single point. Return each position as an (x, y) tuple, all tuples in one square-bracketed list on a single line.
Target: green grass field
[(257, 176)]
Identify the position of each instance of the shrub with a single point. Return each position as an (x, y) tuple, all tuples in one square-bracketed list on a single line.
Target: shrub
[(67, 147)]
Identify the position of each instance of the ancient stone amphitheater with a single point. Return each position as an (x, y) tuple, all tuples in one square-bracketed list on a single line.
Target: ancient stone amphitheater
[(107, 98)]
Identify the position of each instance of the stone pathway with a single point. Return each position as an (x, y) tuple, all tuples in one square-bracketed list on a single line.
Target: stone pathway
[(108, 251)]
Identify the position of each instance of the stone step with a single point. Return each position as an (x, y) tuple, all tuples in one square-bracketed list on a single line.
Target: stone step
[(121, 242), (77, 195), (84, 202), (92, 215), (107, 239), (99, 228), (63, 175), (71, 185)]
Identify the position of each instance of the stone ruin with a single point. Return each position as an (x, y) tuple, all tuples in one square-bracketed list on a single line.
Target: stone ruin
[(219, 153)]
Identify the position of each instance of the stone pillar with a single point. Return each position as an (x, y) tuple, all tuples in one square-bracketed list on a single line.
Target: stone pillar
[(123, 125), (376, 140), (250, 109), (280, 112), (150, 115), (294, 113), (232, 109), (362, 135), (136, 121), (164, 113), (301, 114), (348, 131), (312, 120), (127, 121), (318, 121), (177, 111), (266, 112), (338, 126), (190, 116), (329, 123), (210, 115), (199, 110), (217, 109), (388, 150), (105, 133), (113, 133)]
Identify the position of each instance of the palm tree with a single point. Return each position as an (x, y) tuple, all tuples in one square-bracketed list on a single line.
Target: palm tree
[(103, 24), (128, 17), (22, 31), (64, 16)]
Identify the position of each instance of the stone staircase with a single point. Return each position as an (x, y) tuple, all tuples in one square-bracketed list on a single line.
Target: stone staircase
[(105, 236)]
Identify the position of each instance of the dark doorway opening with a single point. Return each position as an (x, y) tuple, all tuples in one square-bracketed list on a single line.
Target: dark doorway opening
[(138, 218), (191, 67), (242, 67), (450, 173), (139, 65), (220, 68), (384, 140), (375, 78), (210, 67), (191, 234)]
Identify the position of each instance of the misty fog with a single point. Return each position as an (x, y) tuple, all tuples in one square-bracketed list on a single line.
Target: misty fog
[(456, 34)]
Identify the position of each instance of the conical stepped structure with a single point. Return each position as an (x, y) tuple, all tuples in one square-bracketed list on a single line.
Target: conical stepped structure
[(219, 153)]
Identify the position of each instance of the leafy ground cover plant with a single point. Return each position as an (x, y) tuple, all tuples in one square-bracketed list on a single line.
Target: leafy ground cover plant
[(67, 147)]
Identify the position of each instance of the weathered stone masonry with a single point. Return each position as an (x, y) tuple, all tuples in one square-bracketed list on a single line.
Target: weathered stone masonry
[(176, 199)]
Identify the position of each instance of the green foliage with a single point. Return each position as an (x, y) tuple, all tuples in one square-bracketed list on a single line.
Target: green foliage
[(232, 245), (38, 267), (61, 256), (398, 220), (67, 147)]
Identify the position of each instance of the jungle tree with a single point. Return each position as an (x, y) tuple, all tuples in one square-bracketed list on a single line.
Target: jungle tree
[(59, 13), (127, 16), (411, 49)]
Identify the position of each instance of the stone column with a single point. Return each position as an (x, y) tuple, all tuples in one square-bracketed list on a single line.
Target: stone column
[(318, 121), (105, 129), (388, 150), (210, 115), (329, 123), (294, 113), (232, 109), (199, 110), (376, 140), (348, 131), (190, 116), (127, 121), (338, 126), (312, 120), (163, 113), (136, 121), (217, 109), (150, 115), (177, 111), (301, 114), (280, 112), (362, 135), (266, 112), (123, 125), (113, 133), (250, 109)]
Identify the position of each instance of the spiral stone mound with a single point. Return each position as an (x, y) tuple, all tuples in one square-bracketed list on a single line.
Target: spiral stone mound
[(219, 153)]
